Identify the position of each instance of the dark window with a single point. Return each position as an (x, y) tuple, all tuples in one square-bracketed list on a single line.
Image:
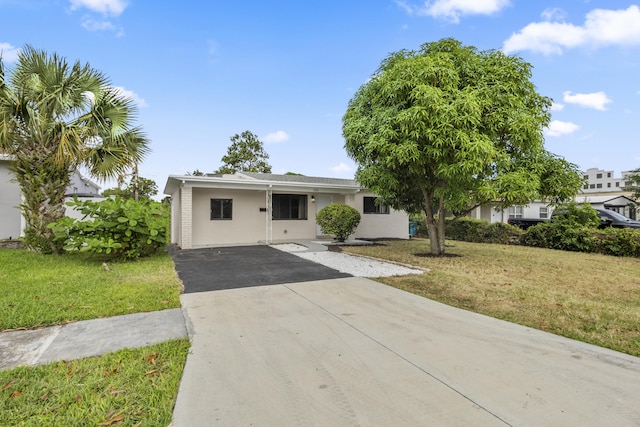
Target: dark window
[(221, 208), (599, 186), (592, 186), (608, 174), (586, 186), (617, 184), (371, 207), (608, 185), (598, 176), (586, 177), (289, 206)]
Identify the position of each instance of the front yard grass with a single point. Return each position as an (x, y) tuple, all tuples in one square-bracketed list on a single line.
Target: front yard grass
[(42, 290), (125, 388), (129, 387), (588, 297)]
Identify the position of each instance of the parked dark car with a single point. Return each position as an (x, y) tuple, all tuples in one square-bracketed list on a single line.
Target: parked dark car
[(607, 217), (614, 219)]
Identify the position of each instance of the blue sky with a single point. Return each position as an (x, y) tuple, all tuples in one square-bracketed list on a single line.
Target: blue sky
[(285, 70)]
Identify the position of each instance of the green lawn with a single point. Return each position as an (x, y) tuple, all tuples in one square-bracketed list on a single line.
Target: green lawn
[(39, 290), (127, 388), (131, 387)]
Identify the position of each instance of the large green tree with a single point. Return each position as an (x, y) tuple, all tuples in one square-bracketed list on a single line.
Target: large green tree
[(245, 154), (446, 128), (54, 118)]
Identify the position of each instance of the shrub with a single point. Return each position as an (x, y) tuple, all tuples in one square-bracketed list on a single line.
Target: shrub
[(478, 230), (562, 235), (117, 228), (338, 220), (574, 215), (619, 241)]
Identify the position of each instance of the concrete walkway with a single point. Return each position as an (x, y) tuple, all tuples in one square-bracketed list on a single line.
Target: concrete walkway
[(348, 352), (89, 338)]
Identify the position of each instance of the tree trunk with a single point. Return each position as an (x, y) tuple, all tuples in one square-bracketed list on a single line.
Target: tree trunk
[(43, 183), (434, 225)]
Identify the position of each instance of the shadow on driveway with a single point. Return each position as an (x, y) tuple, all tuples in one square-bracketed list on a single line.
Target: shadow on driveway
[(213, 269)]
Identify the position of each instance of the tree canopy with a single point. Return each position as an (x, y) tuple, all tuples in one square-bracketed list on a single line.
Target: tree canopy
[(245, 154), (446, 128), (138, 188), (55, 117)]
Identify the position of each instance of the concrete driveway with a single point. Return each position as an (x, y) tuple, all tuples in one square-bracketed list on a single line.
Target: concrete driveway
[(353, 352)]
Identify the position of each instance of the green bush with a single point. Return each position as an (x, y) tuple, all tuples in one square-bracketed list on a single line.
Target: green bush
[(338, 220), (481, 231), (566, 236), (619, 241), (572, 215), (116, 228)]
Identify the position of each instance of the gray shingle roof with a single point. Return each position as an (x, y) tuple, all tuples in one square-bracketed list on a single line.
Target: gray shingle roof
[(299, 178)]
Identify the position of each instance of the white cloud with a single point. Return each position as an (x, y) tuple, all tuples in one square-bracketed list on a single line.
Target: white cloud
[(553, 14), (276, 137), (601, 28), (559, 128), (341, 169), (131, 95), (596, 100), (105, 7), (451, 10), (93, 25), (9, 53), (556, 107)]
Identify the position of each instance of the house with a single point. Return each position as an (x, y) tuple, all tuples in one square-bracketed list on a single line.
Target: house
[(542, 210), (10, 218), (11, 221), (601, 189), (250, 208)]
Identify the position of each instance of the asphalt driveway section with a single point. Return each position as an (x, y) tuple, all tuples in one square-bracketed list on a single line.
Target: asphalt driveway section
[(351, 351), (233, 267)]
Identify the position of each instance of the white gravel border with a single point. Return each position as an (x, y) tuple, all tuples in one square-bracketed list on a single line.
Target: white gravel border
[(350, 264)]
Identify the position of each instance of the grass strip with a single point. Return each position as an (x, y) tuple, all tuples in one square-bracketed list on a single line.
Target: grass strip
[(42, 290), (131, 387), (588, 297)]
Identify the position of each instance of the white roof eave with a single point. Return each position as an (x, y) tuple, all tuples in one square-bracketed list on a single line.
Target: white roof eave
[(176, 181)]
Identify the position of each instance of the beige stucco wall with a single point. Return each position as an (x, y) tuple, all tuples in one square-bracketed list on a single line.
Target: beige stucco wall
[(394, 225), (248, 224), (10, 218)]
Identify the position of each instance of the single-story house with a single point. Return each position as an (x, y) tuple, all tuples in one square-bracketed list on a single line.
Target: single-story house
[(11, 221), (542, 210), (250, 208)]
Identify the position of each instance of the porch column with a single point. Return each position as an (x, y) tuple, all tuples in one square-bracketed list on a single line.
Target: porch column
[(186, 218), (269, 215)]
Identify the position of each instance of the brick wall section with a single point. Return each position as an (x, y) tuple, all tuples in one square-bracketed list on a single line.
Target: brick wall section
[(186, 218)]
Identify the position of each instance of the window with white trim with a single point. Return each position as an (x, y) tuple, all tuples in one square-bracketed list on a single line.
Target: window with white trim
[(516, 212), (371, 206), (221, 209), (289, 206)]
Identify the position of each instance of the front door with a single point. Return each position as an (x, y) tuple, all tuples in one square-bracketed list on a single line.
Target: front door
[(321, 201)]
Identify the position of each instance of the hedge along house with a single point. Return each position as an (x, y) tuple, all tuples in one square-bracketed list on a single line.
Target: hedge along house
[(251, 208)]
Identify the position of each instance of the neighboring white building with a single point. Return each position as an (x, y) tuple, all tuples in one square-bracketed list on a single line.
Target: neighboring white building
[(602, 181), (11, 221), (251, 208), (601, 189)]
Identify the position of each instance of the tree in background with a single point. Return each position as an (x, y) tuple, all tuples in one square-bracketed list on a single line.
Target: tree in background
[(245, 154), (633, 183), (138, 188), (447, 128), (54, 118)]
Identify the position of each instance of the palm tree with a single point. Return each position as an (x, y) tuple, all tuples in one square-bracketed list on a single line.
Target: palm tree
[(54, 118)]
